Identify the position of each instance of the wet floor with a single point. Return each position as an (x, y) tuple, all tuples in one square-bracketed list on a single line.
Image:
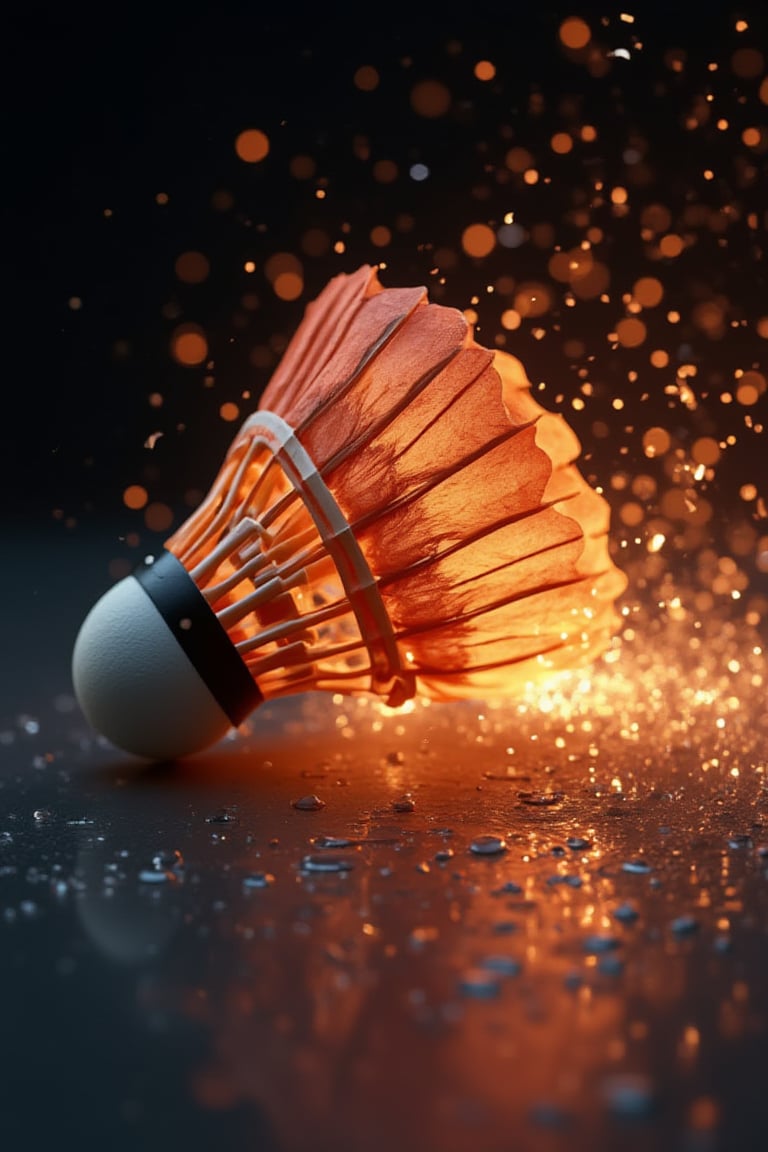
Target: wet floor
[(533, 925)]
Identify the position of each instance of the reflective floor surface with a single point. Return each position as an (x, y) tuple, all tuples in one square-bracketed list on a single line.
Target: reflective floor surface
[(531, 925)]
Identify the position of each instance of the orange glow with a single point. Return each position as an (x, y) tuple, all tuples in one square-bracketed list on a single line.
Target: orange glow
[(252, 145), (158, 517), (706, 450), (750, 388), (229, 411), (366, 78), (381, 236), (288, 285), (630, 332), (302, 167), (533, 299), (671, 245), (518, 159), (192, 267), (510, 319), (575, 33), (656, 218), (478, 240), (648, 291), (485, 70), (282, 264), (189, 345), (430, 98), (561, 143), (135, 496), (385, 171), (315, 242), (748, 63), (656, 442)]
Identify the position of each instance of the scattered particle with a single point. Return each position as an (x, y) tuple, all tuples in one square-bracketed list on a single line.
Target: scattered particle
[(575, 33), (430, 98), (192, 267), (252, 145), (189, 345)]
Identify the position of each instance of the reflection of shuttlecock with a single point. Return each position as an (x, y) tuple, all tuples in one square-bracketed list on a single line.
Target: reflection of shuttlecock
[(399, 517)]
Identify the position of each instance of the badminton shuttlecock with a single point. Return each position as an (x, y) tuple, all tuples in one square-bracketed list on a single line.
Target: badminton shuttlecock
[(399, 517)]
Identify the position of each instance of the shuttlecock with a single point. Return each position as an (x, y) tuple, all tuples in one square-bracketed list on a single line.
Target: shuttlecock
[(399, 517)]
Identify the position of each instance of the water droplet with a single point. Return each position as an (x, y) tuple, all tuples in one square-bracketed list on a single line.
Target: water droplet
[(625, 913), (480, 984), (598, 943), (505, 927), (740, 840), (549, 1115), (610, 966), (41, 815), (404, 804), (488, 845), (309, 803), (221, 817), (637, 867), (443, 854), (326, 864), (152, 876), (504, 965), (258, 880), (331, 842), (165, 861), (6, 838), (541, 799), (508, 888), (577, 843), (628, 1094), (684, 926)]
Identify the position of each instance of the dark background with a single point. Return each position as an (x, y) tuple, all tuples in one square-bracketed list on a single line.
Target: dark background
[(106, 111)]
